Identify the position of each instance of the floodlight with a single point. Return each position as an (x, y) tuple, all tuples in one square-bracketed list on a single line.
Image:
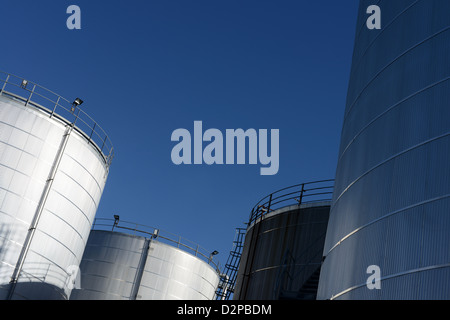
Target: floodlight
[(76, 104)]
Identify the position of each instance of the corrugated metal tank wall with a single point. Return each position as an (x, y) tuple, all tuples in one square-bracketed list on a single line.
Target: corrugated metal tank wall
[(281, 252), (110, 266), (392, 192), (119, 266), (30, 141)]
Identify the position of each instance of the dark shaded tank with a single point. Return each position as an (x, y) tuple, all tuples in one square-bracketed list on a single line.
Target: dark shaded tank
[(283, 246)]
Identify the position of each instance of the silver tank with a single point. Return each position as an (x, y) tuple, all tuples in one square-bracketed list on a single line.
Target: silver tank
[(135, 262), (54, 161), (390, 219), (282, 251)]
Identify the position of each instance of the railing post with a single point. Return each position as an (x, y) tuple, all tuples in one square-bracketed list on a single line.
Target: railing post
[(31, 93), (109, 158), (47, 272), (301, 194), (104, 141), (270, 203), (93, 128), (76, 118), (115, 223), (54, 108), (4, 85)]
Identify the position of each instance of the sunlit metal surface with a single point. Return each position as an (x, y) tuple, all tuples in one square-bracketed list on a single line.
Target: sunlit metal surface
[(51, 181), (134, 264), (392, 192)]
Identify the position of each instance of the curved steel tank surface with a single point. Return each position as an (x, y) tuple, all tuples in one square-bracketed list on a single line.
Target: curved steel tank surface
[(52, 175), (389, 224), (283, 246), (143, 263)]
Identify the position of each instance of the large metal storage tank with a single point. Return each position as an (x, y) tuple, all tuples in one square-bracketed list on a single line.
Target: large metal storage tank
[(54, 161), (391, 206), (127, 261), (282, 252)]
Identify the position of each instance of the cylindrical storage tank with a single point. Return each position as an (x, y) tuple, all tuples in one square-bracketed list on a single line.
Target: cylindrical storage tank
[(390, 218), (135, 262), (282, 252), (52, 175)]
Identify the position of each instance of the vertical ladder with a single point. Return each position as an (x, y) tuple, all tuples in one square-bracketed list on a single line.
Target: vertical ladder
[(229, 275)]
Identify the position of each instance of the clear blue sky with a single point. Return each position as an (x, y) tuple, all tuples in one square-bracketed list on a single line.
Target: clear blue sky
[(146, 68)]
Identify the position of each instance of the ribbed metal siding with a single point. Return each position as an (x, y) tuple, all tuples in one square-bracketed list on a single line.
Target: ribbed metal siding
[(391, 203), (109, 267), (173, 274), (294, 233), (118, 266), (29, 142)]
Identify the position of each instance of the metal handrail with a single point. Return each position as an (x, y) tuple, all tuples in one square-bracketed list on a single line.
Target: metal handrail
[(298, 194), (60, 108), (157, 234)]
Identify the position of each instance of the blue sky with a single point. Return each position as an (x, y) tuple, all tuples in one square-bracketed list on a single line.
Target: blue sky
[(146, 68)]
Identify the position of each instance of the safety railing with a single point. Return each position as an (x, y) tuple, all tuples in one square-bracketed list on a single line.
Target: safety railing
[(58, 107), (159, 235), (295, 195), (46, 274)]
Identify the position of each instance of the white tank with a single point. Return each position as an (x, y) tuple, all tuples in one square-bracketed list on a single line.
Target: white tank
[(53, 170), (143, 263)]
